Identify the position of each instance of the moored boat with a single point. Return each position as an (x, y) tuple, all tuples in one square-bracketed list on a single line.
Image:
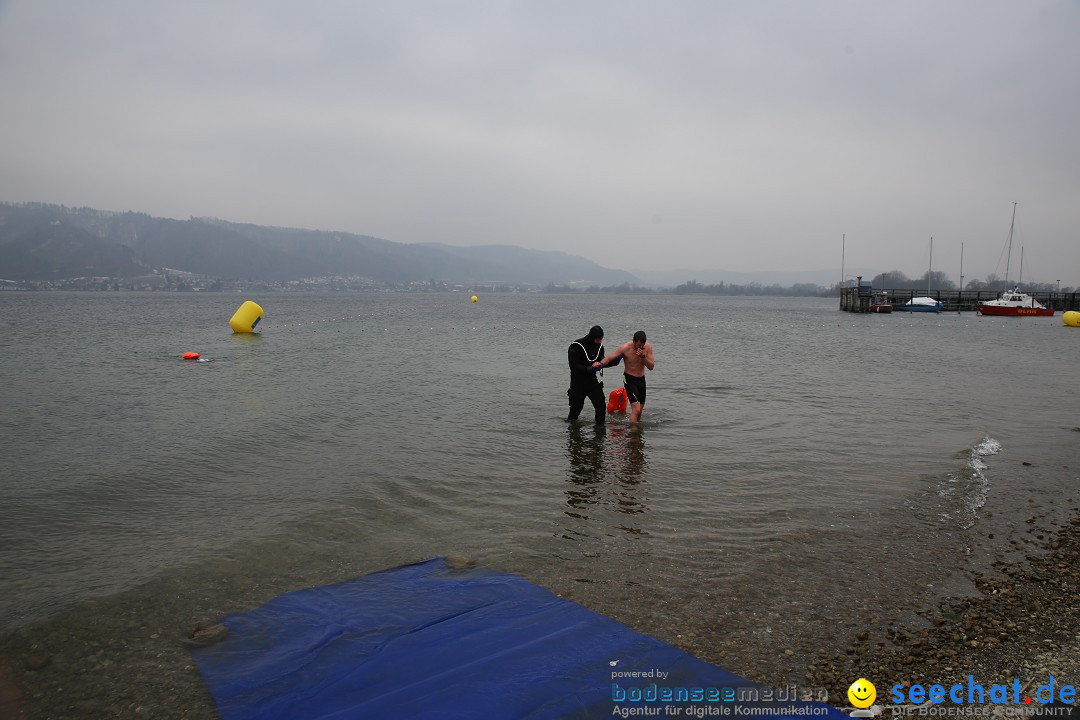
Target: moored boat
[(1014, 304), (879, 303), (924, 303), (921, 304)]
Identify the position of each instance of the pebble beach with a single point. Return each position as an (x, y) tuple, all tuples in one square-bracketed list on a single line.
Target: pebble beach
[(1022, 624), (129, 657)]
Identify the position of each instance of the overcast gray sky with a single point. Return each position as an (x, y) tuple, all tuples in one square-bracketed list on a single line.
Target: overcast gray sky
[(743, 135)]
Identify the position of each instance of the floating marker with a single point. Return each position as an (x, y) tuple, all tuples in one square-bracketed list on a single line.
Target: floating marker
[(475, 299), (190, 356), (1071, 318), (246, 317)]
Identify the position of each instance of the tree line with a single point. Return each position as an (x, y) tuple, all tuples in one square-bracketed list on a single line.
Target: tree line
[(939, 281)]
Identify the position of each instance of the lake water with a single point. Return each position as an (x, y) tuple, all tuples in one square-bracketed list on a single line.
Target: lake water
[(800, 472)]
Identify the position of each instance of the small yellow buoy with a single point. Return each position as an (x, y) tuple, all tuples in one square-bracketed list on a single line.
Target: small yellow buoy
[(475, 299), (1071, 318), (246, 317)]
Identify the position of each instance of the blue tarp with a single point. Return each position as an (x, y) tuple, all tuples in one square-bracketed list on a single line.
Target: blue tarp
[(429, 641)]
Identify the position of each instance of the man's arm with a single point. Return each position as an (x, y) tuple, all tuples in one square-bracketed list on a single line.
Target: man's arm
[(650, 362), (613, 358)]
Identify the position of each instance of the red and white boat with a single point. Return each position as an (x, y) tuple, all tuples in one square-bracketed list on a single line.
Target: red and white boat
[(1014, 304), (879, 303)]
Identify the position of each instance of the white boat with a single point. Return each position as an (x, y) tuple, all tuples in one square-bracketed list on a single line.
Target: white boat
[(924, 303), (921, 304)]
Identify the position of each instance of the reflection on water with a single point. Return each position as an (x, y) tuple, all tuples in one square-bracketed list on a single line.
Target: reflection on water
[(585, 452), (606, 471), (628, 454)]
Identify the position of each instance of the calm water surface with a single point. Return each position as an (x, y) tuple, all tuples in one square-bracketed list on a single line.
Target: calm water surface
[(795, 464)]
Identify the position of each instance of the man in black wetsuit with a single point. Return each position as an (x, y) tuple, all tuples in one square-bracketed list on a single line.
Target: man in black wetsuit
[(582, 355)]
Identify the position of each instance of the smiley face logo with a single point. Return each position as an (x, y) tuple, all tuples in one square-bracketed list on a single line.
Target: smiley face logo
[(862, 693)]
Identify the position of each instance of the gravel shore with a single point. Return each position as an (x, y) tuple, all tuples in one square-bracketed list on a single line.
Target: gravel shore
[(1023, 624), (128, 658)]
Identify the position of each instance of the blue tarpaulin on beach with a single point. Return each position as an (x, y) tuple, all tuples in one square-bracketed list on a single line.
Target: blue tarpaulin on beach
[(431, 641)]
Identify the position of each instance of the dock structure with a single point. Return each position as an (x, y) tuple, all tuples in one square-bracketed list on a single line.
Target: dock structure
[(858, 299)]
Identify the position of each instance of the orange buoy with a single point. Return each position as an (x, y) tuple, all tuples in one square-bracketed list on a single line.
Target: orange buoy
[(617, 400), (190, 356)]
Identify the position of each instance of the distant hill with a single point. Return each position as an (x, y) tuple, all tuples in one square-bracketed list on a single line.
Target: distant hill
[(51, 242), (536, 265)]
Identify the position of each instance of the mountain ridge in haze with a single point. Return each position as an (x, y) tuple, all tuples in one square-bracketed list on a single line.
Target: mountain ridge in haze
[(51, 242), (40, 241)]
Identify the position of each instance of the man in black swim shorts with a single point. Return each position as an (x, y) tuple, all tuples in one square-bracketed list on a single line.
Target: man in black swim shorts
[(635, 389), (637, 356)]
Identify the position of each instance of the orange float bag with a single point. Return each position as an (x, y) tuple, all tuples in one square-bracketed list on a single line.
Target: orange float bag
[(617, 400)]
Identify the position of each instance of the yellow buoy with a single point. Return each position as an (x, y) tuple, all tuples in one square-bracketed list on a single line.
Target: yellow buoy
[(475, 299), (246, 317), (1071, 318)]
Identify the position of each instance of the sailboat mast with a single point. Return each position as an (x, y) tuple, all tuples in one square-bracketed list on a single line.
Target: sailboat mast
[(843, 249), (961, 267), (1009, 259), (930, 270)]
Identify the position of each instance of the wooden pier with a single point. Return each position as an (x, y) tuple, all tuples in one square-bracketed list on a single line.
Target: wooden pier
[(859, 299)]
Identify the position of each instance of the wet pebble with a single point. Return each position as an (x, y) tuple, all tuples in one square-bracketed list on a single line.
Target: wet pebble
[(38, 662), (206, 633), (458, 562)]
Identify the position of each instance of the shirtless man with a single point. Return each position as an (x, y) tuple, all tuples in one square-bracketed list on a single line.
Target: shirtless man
[(637, 355)]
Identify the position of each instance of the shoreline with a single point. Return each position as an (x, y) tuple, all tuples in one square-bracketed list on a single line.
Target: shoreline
[(1022, 623)]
